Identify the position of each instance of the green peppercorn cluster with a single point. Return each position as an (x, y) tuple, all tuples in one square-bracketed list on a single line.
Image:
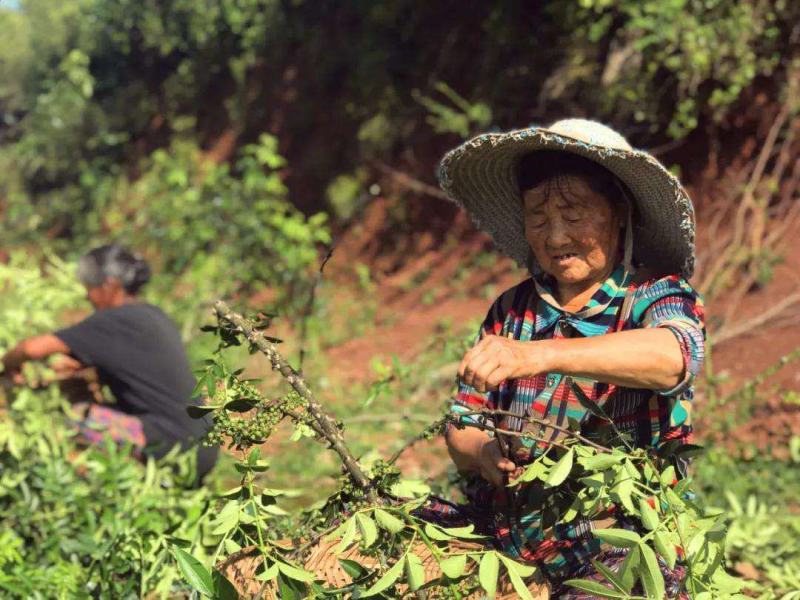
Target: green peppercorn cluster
[(254, 426)]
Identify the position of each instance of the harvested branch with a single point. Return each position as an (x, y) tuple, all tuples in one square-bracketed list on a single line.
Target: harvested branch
[(538, 421), (327, 425)]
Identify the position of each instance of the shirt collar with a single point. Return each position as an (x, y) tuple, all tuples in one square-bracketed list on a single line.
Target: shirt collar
[(549, 310)]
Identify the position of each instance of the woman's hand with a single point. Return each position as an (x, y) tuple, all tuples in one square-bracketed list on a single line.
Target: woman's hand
[(492, 464), (494, 359), (66, 366)]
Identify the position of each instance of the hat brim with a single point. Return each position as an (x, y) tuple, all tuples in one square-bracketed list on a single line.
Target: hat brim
[(481, 176)]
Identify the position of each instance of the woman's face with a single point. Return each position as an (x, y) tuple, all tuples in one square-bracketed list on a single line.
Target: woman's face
[(572, 230), (105, 295)]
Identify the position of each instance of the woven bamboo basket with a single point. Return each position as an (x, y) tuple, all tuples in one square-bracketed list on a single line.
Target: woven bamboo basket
[(240, 570)]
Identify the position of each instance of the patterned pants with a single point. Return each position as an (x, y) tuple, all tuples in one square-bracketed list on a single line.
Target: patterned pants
[(448, 514), (99, 423)]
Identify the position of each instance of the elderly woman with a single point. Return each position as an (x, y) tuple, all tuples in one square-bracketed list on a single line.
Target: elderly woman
[(607, 234), (137, 352)]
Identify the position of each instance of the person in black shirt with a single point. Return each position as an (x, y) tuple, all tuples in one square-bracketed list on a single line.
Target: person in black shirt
[(137, 352)]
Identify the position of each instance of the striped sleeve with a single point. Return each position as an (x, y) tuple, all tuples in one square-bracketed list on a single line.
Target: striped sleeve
[(673, 304)]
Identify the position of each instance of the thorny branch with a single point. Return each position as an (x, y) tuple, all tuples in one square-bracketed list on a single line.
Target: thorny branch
[(327, 425), (532, 419), (456, 420)]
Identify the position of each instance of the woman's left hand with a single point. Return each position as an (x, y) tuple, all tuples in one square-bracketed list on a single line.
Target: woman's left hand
[(495, 359)]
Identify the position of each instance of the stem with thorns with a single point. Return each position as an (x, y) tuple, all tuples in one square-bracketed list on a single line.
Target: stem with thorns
[(542, 422), (327, 425)]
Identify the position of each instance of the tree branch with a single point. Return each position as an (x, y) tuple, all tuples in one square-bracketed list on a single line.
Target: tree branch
[(328, 427)]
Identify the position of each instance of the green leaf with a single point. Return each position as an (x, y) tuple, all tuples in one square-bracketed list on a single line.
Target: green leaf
[(195, 573), (631, 470), (665, 548), (454, 566), (649, 515), (435, 533), (595, 588), (612, 577), (368, 530), (352, 568), (231, 493), (464, 533), (198, 412), (652, 579), (388, 521), (348, 537), (619, 538), (410, 488), (561, 469), (269, 573), (223, 588), (623, 492), (517, 567), (488, 572), (590, 405), (290, 589), (600, 462), (627, 572), (387, 581), (519, 585), (533, 471), (415, 572), (225, 523), (668, 476), (294, 573), (240, 404)]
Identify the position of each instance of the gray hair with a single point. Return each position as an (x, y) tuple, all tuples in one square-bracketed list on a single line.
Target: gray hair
[(113, 261)]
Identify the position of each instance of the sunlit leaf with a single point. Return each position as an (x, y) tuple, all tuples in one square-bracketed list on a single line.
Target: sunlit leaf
[(368, 530), (517, 567), (600, 461), (595, 588), (668, 476), (387, 581), (648, 514), (610, 576), (388, 521), (195, 573), (650, 573), (454, 566), (665, 548), (352, 568), (348, 536), (295, 573), (619, 538), (630, 567), (415, 572), (488, 572), (561, 469)]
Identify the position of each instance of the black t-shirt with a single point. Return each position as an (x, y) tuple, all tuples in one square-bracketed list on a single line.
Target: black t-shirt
[(138, 353)]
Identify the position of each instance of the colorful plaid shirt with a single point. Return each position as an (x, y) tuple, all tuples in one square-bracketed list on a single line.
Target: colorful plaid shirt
[(527, 312)]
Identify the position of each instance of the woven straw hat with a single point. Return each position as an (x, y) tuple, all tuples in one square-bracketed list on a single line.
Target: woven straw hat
[(481, 176)]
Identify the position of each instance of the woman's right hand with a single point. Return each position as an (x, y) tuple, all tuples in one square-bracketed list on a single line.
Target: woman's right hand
[(493, 466)]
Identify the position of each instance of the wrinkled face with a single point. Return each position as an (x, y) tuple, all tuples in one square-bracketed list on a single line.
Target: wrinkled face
[(573, 231)]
